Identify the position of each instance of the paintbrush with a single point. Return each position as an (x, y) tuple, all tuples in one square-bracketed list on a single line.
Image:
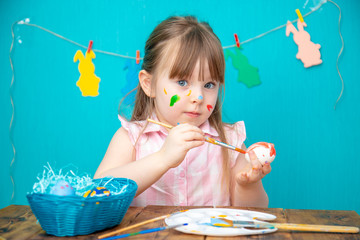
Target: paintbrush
[(223, 222), (146, 231), (207, 139), (133, 226), (138, 224)]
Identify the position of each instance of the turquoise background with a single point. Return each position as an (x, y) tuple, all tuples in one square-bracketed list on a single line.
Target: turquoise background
[(317, 164)]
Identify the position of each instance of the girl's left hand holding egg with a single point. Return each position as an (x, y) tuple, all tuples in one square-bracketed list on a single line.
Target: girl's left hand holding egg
[(256, 173)]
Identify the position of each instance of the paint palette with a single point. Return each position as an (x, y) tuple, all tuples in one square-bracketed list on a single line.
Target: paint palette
[(199, 221)]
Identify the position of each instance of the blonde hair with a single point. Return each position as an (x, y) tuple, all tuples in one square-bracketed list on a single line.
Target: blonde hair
[(188, 41)]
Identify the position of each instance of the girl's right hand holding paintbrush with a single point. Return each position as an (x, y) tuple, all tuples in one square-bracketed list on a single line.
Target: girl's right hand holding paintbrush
[(119, 160), (180, 140)]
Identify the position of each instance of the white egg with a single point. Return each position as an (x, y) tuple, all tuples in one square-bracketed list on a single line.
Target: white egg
[(265, 152)]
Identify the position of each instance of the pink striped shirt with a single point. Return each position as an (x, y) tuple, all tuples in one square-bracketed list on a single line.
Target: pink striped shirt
[(197, 180)]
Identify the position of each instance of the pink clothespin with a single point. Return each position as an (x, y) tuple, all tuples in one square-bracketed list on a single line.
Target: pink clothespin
[(90, 46), (237, 40), (137, 56)]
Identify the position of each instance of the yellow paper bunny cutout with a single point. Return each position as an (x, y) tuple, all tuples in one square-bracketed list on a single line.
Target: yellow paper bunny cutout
[(88, 81)]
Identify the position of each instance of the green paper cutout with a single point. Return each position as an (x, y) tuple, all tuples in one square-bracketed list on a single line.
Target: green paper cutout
[(174, 99), (247, 74)]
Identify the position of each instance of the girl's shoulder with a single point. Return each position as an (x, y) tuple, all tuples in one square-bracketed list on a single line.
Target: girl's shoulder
[(133, 128), (235, 132), (141, 130), (131, 125)]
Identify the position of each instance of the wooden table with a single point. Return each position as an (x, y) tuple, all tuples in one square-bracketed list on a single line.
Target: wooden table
[(18, 222)]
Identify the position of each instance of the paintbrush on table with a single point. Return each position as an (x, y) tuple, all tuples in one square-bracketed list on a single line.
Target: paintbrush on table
[(151, 230), (138, 225), (223, 222), (207, 139), (133, 226)]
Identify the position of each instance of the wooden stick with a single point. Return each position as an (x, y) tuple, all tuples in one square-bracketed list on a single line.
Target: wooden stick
[(286, 226), (315, 228), (133, 226), (160, 123), (207, 139)]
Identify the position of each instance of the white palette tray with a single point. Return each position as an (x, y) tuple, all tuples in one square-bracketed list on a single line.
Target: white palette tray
[(199, 221)]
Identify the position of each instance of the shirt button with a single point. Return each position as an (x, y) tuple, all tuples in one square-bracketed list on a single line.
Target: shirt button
[(182, 174)]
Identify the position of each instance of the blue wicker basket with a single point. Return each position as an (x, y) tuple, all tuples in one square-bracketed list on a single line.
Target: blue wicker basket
[(76, 215)]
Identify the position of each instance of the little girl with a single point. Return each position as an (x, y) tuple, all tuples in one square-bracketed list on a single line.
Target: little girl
[(180, 84)]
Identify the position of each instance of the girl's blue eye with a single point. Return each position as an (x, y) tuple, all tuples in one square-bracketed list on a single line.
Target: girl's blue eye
[(182, 83), (209, 85)]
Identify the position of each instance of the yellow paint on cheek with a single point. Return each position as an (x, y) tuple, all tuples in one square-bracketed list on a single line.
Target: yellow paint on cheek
[(165, 91), (189, 93)]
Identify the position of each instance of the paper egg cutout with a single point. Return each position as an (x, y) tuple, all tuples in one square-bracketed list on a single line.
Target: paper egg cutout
[(264, 151), (62, 188), (97, 192)]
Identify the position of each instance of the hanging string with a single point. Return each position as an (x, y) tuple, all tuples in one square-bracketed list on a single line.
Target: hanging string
[(73, 42), (13, 110), (337, 60), (275, 29), (123, 56)]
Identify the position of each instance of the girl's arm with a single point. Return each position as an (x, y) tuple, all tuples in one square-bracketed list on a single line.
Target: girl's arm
[(119, 160), (246, 187)]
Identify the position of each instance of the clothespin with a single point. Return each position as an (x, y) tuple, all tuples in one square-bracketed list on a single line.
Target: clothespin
[(299, 15), (137, 56), (90, 46), (237, 40)]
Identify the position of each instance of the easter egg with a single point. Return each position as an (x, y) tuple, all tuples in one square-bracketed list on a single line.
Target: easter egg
[(264, 151), (97, 192), (62, 188)]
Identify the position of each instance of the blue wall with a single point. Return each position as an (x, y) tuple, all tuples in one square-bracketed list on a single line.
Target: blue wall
[(317, 164)]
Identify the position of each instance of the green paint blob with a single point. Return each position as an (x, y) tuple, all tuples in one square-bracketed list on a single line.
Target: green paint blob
[(174, 99)]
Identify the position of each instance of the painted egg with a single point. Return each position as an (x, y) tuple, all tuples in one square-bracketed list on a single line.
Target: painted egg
[(62, 188), (97, 192), (264, 151)]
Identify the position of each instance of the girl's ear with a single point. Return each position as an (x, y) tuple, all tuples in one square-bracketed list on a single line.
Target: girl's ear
[(145, 79)]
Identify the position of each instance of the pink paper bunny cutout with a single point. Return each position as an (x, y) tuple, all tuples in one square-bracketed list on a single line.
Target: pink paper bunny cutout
[(309, 52)]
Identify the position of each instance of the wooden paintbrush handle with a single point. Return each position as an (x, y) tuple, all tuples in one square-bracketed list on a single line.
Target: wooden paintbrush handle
[(132, 226), (315, 228)]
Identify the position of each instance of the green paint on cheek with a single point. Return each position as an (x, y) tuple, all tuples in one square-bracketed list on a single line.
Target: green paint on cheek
[(174, 99)]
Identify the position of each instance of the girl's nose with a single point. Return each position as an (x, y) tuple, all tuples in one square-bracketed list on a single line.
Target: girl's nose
[(197, 96)]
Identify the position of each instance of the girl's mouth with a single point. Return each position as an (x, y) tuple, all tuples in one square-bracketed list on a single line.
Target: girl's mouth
[(192, 114)]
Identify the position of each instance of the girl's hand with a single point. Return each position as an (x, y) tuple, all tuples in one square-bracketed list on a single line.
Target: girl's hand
[(180, 140), (255, 174)]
